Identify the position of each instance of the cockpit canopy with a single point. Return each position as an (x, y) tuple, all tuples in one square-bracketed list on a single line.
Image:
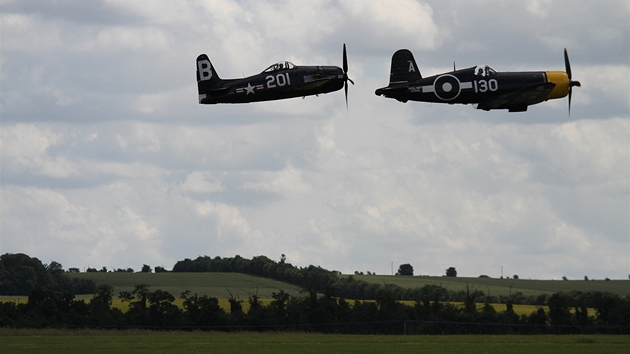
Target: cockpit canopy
[(484, 70), (282, 65)]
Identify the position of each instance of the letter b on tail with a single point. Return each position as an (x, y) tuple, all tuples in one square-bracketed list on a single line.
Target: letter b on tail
[(205, 71), (207, 78)]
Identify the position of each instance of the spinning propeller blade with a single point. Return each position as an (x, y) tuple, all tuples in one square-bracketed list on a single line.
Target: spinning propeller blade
[(345, 73), (567, 67)]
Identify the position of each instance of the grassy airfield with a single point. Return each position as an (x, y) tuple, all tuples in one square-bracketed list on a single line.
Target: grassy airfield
[(82, 341)]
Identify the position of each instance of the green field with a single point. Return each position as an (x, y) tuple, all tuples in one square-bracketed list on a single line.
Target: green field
[(498, 287), (120, 342), (218, 285)]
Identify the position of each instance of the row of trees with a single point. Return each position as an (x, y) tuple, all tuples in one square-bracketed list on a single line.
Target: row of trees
[(407, 269), (21, 274), (311, 312), (145, 269)]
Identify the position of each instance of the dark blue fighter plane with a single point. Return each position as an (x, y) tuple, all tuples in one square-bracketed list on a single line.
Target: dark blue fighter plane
[(279, 81), (479, 85)]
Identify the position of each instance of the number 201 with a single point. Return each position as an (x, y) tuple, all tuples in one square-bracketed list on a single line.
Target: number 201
[(280, 80), (483, 85)]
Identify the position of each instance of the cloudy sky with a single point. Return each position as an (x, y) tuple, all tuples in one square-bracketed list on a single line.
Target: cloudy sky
[(107, 159)]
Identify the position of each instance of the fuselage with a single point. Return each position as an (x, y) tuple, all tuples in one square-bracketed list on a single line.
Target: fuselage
[(483, 86), (276, 83)]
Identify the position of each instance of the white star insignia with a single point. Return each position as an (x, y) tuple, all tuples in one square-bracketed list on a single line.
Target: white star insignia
[(249, 89)]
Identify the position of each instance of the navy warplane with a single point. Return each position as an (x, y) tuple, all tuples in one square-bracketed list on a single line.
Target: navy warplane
[(479, 85), (279, 81)]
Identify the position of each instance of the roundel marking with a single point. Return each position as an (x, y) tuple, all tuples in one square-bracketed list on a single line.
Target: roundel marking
[(447, 87)]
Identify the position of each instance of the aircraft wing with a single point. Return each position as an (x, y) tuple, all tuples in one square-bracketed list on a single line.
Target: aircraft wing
[(218, 91), (310, 82), (524, 97)]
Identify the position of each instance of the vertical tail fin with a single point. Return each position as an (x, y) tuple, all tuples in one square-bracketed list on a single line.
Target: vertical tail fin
[(404, 68), (207, 77)]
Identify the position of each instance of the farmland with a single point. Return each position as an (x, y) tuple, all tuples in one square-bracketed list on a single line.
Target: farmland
[(241, 286), (136, 341), (220, 285), (224, 285), (498, 287)]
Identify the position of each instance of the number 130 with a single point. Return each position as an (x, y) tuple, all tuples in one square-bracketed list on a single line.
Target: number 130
[(484, 86)]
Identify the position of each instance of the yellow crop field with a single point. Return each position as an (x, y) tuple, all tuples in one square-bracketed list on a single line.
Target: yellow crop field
[(225, 304)]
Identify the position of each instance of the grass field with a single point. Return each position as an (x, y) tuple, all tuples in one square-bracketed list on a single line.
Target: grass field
[(121, 342), (242, 286), (217, 285), (498, 287)]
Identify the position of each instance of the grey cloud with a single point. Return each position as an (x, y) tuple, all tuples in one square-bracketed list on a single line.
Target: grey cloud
[(74, 11)]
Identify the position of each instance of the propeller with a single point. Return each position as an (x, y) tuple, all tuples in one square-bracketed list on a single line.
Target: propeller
[(567, 66), (345, 73)]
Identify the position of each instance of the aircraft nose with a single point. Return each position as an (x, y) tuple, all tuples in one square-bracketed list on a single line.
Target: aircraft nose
[(338, 72), (561, 79), (333, 71)]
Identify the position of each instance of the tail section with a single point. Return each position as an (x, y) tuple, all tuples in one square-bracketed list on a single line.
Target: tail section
[(207, 78), (404, 68)]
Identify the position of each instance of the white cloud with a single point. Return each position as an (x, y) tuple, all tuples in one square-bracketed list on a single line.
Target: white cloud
[(200, 182), (161, 12), (120, 39), (392, 23), (609, 81), (90, 235), (231, 224), (539, 8), (288, 181), (26, 149), (25, 33)]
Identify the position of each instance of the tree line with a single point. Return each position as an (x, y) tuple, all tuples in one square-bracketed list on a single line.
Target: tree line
[(311, 312), (21, 274)]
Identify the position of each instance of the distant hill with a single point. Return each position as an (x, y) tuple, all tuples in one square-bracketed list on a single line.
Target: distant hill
[(241, 285), (497, 287), (218, 285)]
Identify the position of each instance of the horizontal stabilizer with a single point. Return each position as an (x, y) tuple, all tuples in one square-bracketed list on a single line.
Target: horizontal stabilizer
[(391, 89), (219, 91)]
